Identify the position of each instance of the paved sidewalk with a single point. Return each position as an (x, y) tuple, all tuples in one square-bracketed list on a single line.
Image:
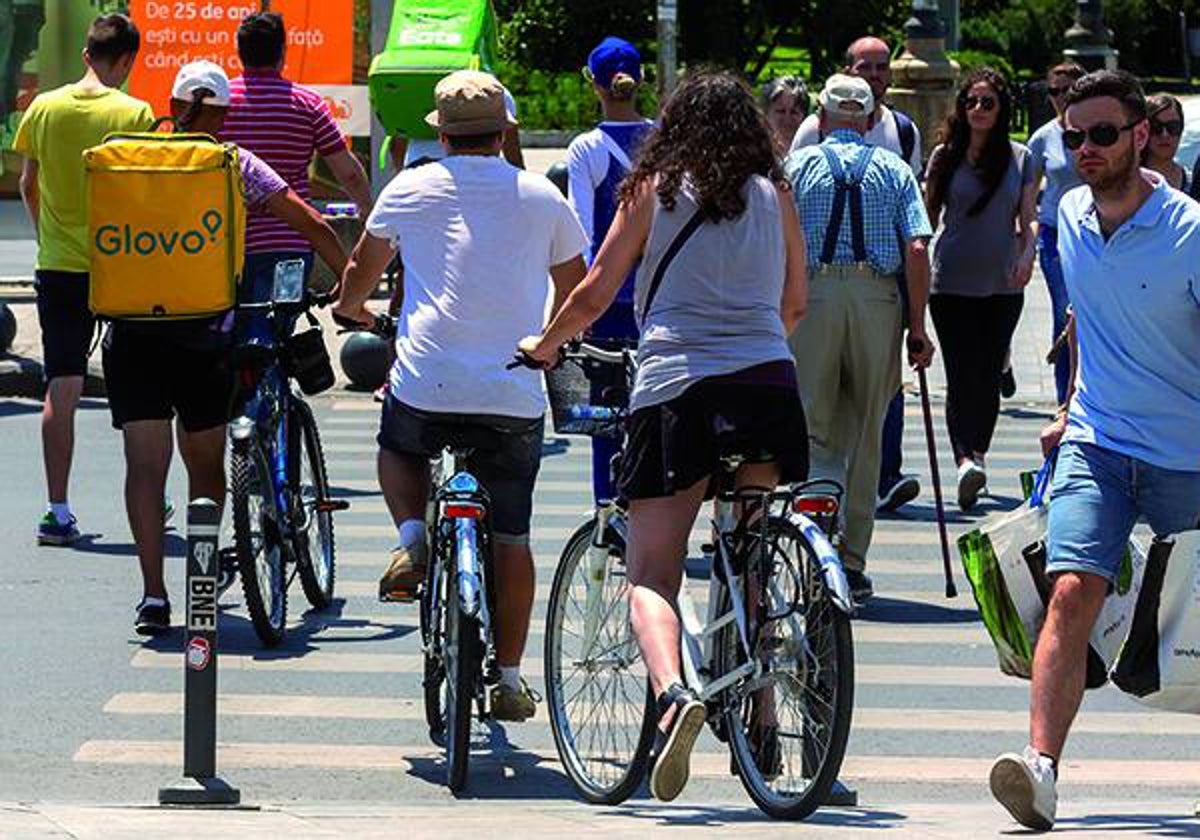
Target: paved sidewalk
[(555, 819)]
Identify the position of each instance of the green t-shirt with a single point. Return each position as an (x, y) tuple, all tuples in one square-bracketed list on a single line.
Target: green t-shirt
[(59, 125)]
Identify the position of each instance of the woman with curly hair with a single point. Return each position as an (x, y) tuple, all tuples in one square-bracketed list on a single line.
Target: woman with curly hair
[(708, 213), (980, 184)]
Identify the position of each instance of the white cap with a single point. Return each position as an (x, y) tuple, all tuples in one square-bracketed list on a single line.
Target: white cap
[(847, 96), (201, 74)]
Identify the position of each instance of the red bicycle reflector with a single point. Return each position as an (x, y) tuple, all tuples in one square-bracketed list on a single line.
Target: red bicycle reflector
[(815, 505), (462, 510)]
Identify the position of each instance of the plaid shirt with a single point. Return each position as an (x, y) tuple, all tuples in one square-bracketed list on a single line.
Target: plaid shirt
[(892, 207)]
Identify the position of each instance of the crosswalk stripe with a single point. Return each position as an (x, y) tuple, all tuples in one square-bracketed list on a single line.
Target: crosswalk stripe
[(865, 719), (320, 661), (876, 768), (582, 459)]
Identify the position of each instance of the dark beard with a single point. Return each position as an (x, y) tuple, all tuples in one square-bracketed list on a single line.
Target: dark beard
[(1119, 180)]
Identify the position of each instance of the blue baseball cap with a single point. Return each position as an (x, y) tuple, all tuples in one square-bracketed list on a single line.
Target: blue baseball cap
[(613, 56)]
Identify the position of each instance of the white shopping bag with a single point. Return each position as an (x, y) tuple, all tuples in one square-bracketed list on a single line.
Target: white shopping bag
[(1160, 661)]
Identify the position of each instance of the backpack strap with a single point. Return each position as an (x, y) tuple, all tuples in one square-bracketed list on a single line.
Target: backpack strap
[(908, 134), (685, 233)]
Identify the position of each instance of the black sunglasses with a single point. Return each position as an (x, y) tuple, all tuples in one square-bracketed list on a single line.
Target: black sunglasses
[(1171, 127), (985, 103), (1057, 91), (1102, 135)]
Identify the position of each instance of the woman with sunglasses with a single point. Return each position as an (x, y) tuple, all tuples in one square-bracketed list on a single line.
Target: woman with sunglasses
[(1166, 130), (1048, 157), (597, 162), (980, 185)]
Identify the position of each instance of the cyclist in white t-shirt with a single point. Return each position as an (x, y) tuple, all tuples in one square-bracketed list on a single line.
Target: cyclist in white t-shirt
[(477, 237)]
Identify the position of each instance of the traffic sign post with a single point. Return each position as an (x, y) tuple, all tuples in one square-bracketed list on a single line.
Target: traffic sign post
[(200, 784)]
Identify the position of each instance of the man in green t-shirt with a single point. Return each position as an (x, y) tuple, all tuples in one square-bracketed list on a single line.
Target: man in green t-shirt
[(52, 136)]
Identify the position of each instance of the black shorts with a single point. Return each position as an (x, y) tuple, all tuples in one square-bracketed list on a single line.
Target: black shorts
[(508, 474), (151, 375), (674, 444), (66, 321)]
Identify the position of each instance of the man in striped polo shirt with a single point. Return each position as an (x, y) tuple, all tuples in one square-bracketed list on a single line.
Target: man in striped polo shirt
[(284, 124)]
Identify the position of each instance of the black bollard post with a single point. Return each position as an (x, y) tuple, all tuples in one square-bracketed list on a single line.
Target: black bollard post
[(200, 784)]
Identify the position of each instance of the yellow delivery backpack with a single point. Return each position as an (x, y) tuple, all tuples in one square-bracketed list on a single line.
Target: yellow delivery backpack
[(167, 224)]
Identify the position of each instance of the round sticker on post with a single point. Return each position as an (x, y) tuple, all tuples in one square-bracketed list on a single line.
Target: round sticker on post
[(198, 653)]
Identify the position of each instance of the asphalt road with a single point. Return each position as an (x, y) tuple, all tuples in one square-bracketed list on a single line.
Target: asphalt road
[(92, 711)]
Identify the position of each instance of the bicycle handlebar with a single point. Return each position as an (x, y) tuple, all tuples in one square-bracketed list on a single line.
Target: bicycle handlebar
[(383, 326), (576, 349)]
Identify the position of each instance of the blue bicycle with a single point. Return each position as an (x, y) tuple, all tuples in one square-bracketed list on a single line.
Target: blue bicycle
[(279, 487)]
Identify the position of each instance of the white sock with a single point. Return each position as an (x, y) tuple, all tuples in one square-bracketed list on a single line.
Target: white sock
[(511, 677), (412, 531), (61, 511)]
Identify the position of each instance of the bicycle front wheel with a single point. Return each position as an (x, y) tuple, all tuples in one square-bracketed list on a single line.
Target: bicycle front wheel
[(258, 541), (461, 656), (788, 729), (315, 550), (599, 703)]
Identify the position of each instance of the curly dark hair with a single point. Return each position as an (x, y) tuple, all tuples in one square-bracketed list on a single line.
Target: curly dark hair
[(955, 135), (712, 135)]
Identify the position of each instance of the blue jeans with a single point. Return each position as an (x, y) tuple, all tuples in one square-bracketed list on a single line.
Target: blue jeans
[(1098, 495), (891, 462), (618, 324), (1052, 269), (258, 282)]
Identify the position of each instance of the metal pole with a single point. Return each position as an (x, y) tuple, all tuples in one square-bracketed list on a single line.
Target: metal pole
[(1187, 48), (668, 59), (200, 784), (381, 22)]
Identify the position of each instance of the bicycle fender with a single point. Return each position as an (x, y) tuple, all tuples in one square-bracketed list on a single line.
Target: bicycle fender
[(467, 566), (827, 556)]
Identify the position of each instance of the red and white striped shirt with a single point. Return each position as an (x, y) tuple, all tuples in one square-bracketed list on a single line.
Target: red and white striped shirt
[(284, 124)]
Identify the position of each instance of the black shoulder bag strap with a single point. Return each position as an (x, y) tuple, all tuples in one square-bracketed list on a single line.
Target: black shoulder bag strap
[(685, 233)]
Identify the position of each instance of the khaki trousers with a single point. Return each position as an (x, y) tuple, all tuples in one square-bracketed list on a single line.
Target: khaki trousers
[(847, 352)]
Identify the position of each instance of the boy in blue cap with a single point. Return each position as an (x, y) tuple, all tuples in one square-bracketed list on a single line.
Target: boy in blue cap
[(596, 164)]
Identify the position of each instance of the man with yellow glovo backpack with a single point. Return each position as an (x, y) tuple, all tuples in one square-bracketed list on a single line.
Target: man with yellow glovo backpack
[(167, 221)]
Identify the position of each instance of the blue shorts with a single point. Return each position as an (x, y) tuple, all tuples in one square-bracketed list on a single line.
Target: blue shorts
[(1098, 495)]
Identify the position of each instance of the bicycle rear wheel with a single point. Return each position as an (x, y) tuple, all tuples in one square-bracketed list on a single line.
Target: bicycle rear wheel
[(461, 660), (315, 549), (788, 730), (600, 705), (258, 541)]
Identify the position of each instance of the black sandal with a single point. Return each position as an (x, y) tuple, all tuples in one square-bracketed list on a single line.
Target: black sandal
[(673, 748)]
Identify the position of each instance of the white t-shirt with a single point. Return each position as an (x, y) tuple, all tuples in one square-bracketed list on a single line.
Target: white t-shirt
[(478, 237), (883, 134), (433, 149)]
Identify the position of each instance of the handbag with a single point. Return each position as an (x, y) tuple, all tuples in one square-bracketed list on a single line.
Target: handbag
[(306, 360), (1005, 562), (1159, 664)]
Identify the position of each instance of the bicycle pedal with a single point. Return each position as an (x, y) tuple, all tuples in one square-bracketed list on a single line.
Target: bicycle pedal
[(332, 505), (395, 596)]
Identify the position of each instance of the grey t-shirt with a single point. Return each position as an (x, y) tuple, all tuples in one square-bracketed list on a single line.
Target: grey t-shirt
[(975, 255), (1048, 156)]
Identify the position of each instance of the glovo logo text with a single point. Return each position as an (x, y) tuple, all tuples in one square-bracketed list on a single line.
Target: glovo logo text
[(125, 240)]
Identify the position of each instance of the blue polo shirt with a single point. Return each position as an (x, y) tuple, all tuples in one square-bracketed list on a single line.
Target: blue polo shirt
[(1137, 312)]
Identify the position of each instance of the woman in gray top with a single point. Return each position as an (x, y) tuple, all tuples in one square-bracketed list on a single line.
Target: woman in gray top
[(713, 356), (980, 184)]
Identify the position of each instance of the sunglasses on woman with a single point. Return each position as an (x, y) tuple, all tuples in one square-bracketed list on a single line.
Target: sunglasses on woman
[(1171, 127), (983, 103), (1101, 135), (1057, 91)]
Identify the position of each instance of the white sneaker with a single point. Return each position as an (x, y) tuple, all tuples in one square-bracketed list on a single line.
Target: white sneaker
[(1025, 785), (971, 480)]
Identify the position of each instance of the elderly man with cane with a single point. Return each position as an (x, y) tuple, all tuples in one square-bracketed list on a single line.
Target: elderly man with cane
[(860, 204)]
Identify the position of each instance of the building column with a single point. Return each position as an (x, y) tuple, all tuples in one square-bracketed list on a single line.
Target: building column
[(924, 79)]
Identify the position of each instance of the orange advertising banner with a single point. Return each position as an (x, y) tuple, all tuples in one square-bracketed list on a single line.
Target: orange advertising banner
[(320, 41)]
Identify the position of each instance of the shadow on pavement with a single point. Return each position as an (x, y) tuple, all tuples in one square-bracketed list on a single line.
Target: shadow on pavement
[(503, 772), (338, 492), (715, 817), (890, 610), (1143, 825), (1027, 414), (555, 446), (174, 546)]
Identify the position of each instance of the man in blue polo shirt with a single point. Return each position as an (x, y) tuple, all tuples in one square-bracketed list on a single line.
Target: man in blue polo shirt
[(1130, 440)]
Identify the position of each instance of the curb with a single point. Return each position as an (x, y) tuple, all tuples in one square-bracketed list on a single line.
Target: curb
[(22, 377)]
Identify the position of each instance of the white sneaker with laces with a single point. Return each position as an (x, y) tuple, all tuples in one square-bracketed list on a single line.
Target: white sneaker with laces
[(1025, 785), (971, 481)]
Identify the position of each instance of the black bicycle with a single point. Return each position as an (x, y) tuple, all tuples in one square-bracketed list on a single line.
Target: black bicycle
[(279, 487)]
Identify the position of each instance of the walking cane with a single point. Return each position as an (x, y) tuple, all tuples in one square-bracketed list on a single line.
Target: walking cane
[(951, 589)]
